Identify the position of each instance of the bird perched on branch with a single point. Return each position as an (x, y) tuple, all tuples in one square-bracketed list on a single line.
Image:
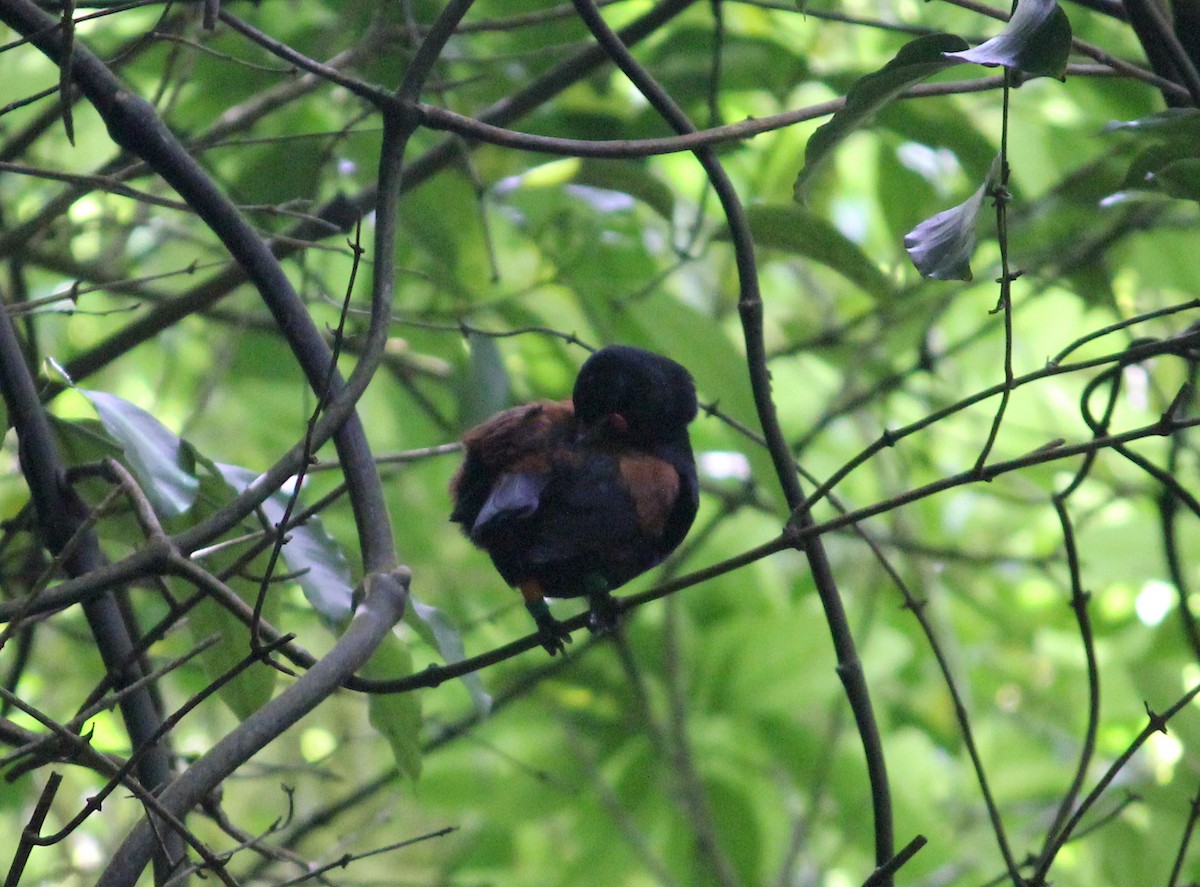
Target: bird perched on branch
[(574, 498)]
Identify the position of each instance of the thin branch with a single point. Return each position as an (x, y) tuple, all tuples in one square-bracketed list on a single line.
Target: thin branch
[(1188, 828), (136, 127), (330, 73), (750, 308), (382, 607), (1156, 723), (32, 830), (1134, 354), (61, 516), (476, 129)]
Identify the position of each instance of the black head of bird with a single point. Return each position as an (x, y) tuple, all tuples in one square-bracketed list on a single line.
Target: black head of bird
[(638, 395)]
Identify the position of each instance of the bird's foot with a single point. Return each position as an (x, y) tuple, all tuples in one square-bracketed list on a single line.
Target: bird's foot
[(603, 613), (552, 633)]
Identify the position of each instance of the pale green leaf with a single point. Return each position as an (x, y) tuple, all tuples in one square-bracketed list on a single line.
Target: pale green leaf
[(397, 716), (485, 390), (795, 229), (437, 630)]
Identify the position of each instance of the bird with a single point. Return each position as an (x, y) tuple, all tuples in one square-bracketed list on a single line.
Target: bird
[(575, 497)]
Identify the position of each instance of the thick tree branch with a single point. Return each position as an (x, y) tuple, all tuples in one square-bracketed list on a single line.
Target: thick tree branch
[(62, 526), (383, 606)]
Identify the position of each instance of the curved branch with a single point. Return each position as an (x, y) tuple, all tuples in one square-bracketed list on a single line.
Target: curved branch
[(479, 130), (1166, 54), (341, 212), (750, 308), (134, 125), (383, 606), (62, 522)]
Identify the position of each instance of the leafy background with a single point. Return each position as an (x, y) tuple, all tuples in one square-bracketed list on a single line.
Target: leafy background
[(710, 741)]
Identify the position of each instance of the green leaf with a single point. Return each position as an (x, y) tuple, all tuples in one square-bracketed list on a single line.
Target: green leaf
[(916, 60), (251, 689), (1170, 164), (1173, 123), (485, 390), (797, 230), (262, 179), (1161, 169), (941, 246), (940, 125), (153, 452), (632, 179), (595, 237), (397, 716), (445, 225), (435, 629), (766, 62), (324, 573), (1180, 178), (84, 440), (1036, 42)]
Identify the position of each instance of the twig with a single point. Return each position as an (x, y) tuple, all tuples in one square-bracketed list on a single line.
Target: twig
[(33, 828)]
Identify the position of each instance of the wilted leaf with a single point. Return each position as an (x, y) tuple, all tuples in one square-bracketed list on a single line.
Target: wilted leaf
[(432, 625), (941, 246), (1036, 42), (155, 455), (310, 552), (916, 60)]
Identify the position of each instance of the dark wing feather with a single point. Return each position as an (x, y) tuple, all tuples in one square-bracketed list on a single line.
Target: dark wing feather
[(587, 530), (514, 496), (516, 440)]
